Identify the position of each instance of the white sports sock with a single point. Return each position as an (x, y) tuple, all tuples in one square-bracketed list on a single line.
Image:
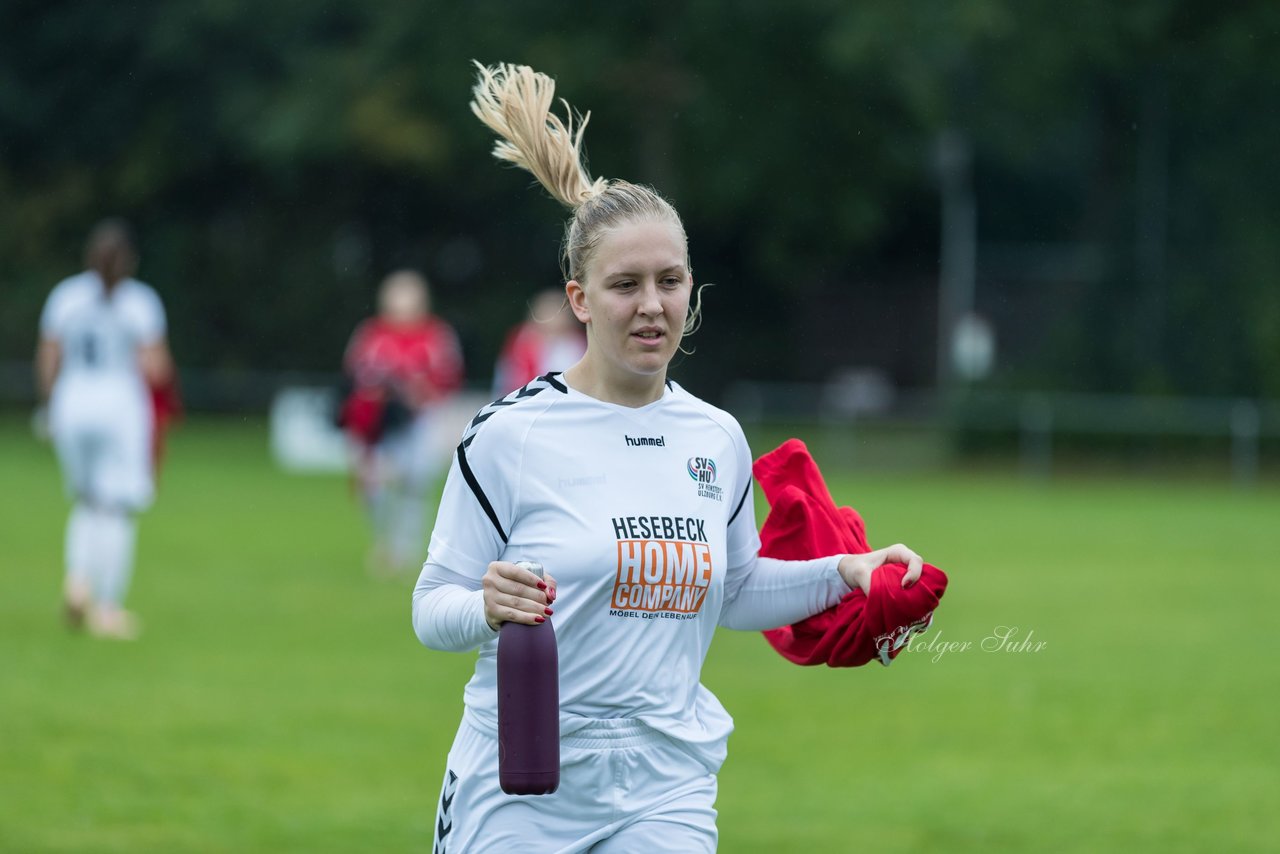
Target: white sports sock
[(117, 532), (79, 547)]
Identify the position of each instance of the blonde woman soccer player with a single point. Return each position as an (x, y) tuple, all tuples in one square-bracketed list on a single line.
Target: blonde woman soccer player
[(102, 344), (636, 496)]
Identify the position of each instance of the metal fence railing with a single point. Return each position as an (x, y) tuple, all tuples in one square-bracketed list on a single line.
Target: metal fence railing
[(228, 390), (1035, 418)]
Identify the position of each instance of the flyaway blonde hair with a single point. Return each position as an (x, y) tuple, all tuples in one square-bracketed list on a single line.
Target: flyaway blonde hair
[(516, 103)]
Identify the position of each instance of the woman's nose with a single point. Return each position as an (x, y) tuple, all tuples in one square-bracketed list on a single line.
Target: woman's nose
[(650, 304)]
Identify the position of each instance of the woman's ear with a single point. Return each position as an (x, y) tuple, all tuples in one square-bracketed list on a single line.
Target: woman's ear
[(577, 300)]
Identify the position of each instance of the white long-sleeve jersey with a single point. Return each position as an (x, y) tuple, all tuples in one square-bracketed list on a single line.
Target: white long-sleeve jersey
[(645, 519), (100, 331)]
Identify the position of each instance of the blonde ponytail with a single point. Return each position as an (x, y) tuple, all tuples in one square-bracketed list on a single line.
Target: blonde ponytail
[(515, 102)]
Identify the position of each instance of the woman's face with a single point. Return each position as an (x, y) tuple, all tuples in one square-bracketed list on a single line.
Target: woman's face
[(635, 299), (403, 299)]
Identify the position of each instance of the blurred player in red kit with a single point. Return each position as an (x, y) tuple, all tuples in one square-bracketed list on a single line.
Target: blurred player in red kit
[(402, 364), (551, 339)]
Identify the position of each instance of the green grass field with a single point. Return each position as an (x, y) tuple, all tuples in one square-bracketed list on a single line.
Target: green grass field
[(278, 700)]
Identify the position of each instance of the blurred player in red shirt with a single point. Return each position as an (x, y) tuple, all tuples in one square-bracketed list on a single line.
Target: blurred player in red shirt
[(402, 364), (551, 339)]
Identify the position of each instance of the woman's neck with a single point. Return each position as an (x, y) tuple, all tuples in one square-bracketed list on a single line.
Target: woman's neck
[(634, 392), (108, 284)]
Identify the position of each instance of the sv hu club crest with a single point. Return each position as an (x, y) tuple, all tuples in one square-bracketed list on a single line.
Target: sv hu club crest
[(703, 472)]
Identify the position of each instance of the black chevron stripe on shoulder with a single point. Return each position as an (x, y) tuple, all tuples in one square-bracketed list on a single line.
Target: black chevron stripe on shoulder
[(486, 412), (530, 390), (551, 380)]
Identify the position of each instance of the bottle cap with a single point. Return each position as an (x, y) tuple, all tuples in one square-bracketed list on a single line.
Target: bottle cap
[(531, 565)]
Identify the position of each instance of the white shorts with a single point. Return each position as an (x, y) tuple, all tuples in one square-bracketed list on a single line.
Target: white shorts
[(624, 787), (103, 439)]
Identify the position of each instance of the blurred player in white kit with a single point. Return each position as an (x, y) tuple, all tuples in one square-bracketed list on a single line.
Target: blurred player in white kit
[(102, 346)]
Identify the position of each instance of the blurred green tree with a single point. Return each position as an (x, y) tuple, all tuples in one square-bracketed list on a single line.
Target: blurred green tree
[(279, 158)]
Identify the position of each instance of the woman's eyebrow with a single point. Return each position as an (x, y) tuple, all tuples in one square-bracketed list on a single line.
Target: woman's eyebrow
[(629, 274)]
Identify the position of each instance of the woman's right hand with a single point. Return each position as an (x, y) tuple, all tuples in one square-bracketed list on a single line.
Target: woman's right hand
[(515, 595)]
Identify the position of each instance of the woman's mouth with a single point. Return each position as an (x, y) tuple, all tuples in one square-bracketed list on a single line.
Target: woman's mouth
[(649, 336)]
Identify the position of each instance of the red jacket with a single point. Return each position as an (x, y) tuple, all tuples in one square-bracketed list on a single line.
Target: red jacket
[(405, 366), (531, 351), (804, 523), (520, 359), (166, 407)]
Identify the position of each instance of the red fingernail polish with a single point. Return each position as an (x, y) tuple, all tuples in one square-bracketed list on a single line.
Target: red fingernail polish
[(548, 610), (542, 585), (539, 619)]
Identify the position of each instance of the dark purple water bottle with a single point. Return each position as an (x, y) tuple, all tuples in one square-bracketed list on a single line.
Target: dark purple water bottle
[(528, 706)]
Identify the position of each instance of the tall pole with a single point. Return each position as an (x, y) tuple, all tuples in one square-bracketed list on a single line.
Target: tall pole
[(1152, 221), (958, 257)]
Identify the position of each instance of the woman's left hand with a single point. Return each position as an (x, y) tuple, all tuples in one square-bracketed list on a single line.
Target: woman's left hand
[(856, 569)]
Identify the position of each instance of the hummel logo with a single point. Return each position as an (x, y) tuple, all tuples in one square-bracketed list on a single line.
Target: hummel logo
[(642, 441)]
